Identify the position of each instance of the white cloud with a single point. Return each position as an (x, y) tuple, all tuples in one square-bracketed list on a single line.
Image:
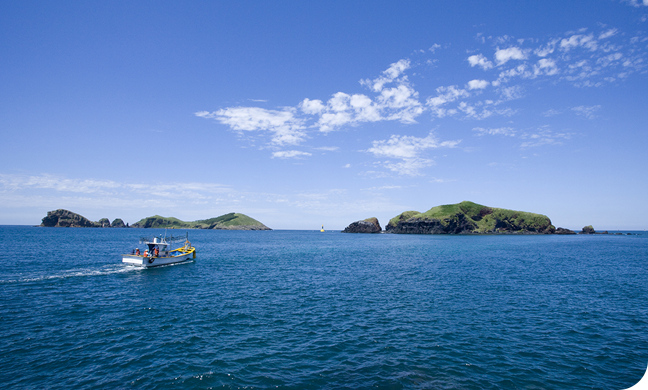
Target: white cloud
[(286, 128), (521, 71), (446, 95), (636, 3), (609, 33), (541, 137), (57, 183), (407, 149), (394, 103), (577, 40), (551, 112), (311, 107), (547, 49), (389, 75), (328, 148), (502, 56), (400, 103), (290, 154), (343, 109), (434, 47), (477, 84), (609, 59), (480, 60), (438, 180), (586, 111), (545, 66), (511, 93), (506, 131), (56, 191)]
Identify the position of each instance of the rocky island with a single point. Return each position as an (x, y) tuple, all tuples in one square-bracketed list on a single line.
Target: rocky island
[(463, 218), (369, 225), (231, 221), (66, 218), (468, 217)]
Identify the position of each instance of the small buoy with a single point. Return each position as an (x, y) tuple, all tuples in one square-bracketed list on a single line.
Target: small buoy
[(322, 229)]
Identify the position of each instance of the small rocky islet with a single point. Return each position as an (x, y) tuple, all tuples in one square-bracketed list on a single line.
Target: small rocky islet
[(465, 218), (230, 221)]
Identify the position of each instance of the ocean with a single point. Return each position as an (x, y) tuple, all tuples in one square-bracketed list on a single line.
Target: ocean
[(311, 310)]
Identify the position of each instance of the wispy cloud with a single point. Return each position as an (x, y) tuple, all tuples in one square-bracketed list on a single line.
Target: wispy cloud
[(12, 182), (532, 138), (587, 111), (636, 3), (408, 150), (290, 154), (541, 137), (285, 127), (506, 131), (328, 148), (439, 180), (551, 112)]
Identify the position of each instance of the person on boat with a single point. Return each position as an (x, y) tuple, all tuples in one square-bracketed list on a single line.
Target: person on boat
[(146, 253), (157, 251), (137, 252)]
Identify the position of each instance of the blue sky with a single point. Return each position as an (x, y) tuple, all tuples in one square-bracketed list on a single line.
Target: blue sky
[(300, 114)]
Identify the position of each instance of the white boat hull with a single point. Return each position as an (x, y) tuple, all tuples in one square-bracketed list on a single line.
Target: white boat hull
[(148, 262)]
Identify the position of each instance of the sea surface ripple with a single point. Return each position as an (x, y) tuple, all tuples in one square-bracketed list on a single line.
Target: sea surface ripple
[(311, 310)]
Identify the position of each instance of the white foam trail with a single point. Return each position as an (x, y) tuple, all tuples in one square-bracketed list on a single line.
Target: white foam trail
[(107, 270)]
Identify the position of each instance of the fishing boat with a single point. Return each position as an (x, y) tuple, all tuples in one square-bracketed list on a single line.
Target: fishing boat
[(158, 252)]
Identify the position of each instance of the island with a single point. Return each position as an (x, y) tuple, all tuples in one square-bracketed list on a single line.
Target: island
[(470, 218), (463, 218), (369, 225), (231, 221), (66, 218)]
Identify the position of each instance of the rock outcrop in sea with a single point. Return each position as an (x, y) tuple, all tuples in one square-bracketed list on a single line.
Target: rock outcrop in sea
[(589, 229), (564, 231), (470, 218), (369, 225), (66, 218), (118, 223)]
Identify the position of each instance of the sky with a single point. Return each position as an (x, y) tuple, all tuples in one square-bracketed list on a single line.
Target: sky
[(302, 114)]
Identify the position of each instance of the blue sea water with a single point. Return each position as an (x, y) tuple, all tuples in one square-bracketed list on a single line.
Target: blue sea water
[(311, 310)]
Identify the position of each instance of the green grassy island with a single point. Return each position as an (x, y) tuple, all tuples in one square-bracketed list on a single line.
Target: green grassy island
[(469, 218), (231, 221)]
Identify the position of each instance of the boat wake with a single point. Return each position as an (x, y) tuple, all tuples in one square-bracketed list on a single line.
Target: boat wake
[(105, 270)]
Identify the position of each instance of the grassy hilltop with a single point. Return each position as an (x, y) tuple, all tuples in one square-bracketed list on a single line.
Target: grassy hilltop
[(231, 221), (469, 217)]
